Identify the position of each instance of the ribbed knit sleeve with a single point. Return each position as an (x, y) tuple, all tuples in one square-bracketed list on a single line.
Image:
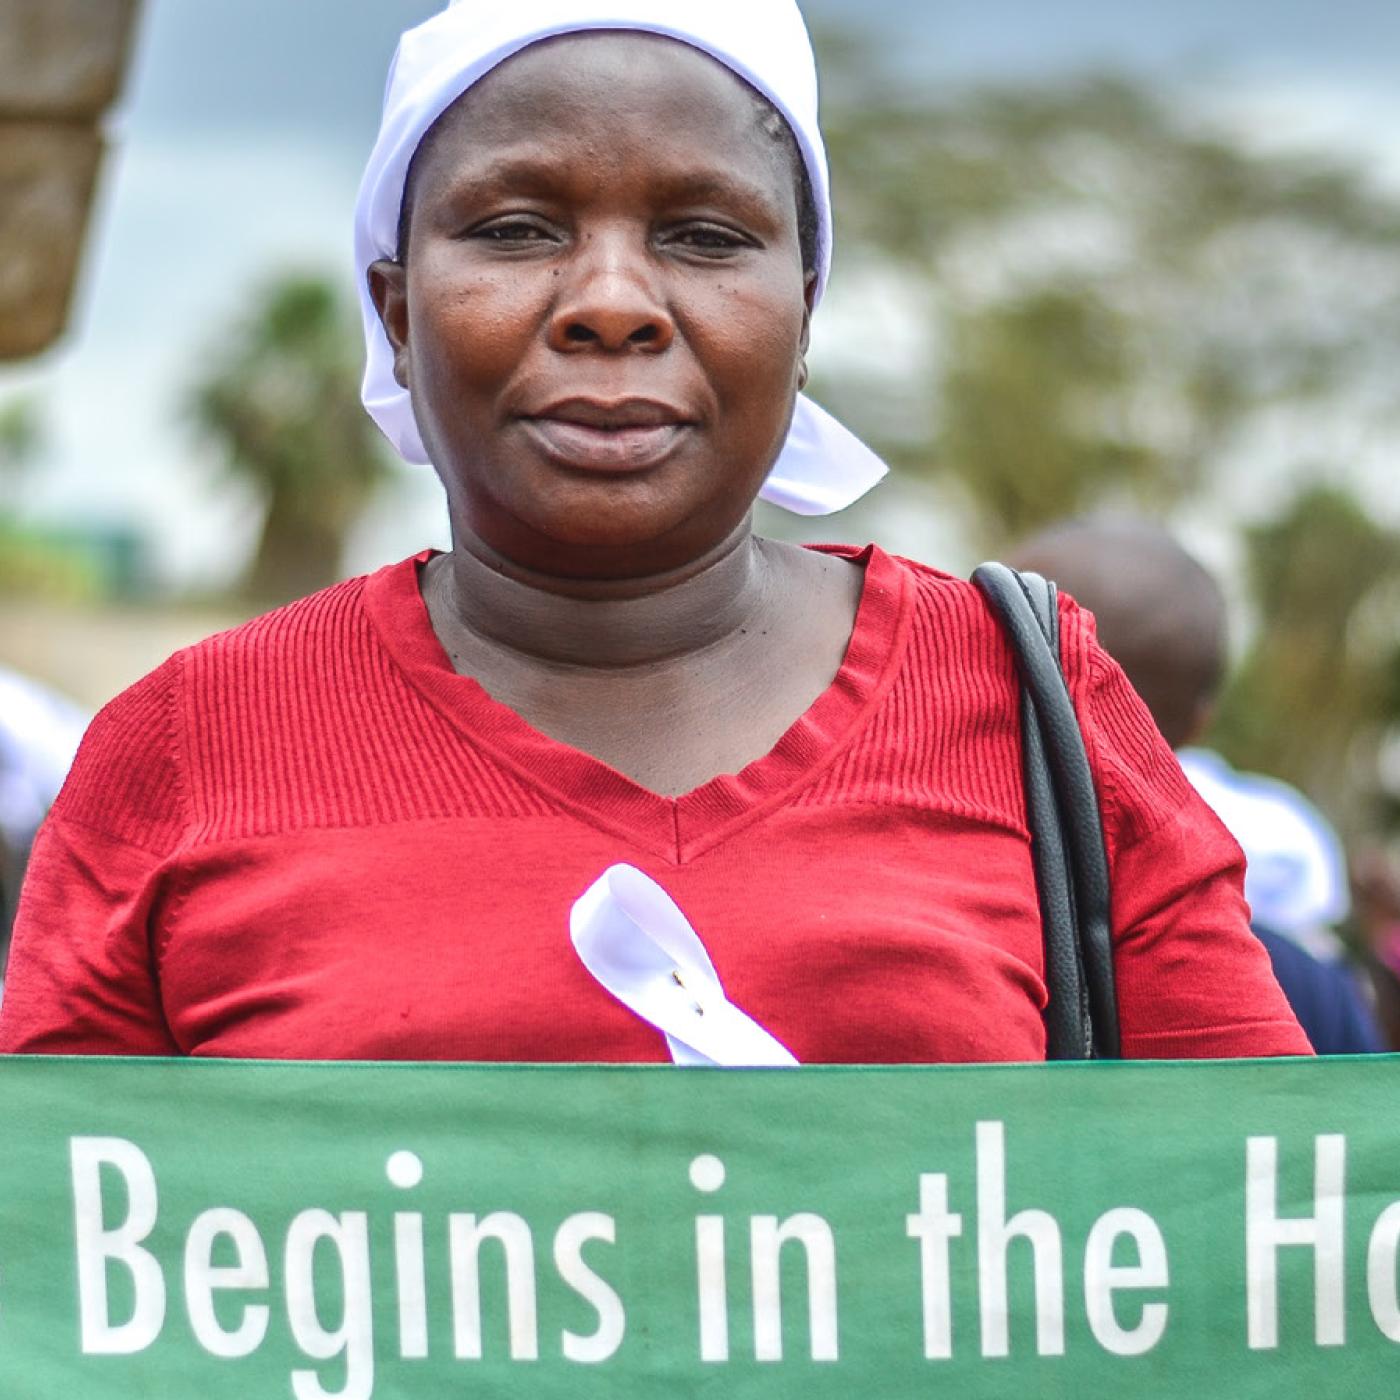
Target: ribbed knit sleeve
[(81, 975), (1192, 979), (127, 779)]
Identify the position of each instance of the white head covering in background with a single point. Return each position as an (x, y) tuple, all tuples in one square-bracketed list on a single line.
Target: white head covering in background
[(822, 467), (1296, 874), (39, 734)]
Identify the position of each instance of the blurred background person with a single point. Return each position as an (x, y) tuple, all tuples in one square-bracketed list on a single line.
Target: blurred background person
[(39, 734), (1376, 918), (1162, 617)]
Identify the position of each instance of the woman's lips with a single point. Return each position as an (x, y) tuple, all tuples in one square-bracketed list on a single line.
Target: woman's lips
[(628, 448)]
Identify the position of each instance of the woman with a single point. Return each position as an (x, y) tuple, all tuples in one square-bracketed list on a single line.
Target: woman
[(355, 827)]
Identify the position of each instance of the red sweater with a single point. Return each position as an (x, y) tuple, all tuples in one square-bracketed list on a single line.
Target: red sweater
[(310, 838)]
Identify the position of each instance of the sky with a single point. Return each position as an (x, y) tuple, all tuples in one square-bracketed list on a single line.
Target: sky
[(238, 144)]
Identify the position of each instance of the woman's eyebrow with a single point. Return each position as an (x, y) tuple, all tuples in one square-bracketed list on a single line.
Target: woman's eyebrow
[(545, 176), (706, 187), (515, 173)]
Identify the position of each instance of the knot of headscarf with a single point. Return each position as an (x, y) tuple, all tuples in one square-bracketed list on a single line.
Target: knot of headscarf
[(822, 467)]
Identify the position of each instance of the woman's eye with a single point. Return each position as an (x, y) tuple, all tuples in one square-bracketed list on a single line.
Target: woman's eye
[(710, 239), (512, 231)]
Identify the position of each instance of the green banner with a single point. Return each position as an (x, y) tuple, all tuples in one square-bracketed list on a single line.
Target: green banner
[(196, 1230)]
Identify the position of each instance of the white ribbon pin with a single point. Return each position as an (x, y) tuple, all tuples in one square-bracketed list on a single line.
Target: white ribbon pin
[(631, 936)]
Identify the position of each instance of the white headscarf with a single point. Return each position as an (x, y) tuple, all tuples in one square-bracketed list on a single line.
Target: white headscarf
[(822, 467)]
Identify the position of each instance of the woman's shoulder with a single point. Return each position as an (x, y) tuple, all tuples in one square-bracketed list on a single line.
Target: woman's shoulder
[(960, 600), (284, 633), (962, 656), (295, 632), (931, 590), (137, 772), (954, 630), (958, 612)]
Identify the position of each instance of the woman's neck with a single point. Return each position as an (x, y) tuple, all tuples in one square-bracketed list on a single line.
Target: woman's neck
[(476, 598)]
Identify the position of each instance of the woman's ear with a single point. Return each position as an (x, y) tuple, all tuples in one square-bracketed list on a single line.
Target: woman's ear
[(388, 287), (809, 296)]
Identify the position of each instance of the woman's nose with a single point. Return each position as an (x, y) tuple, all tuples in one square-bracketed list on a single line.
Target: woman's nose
[(609, 301)]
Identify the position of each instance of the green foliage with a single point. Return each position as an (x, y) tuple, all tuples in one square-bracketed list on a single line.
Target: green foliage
[(22, 436), (280, 398), (1313, 697), (27, 565), (1024, 391), (1118, 293), (32, 567)]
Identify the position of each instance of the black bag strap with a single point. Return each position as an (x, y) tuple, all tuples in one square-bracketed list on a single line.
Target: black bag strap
[(1062, 811)]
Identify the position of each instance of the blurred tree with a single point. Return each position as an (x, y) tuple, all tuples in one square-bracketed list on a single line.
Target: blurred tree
[(22, 437), (1315, 694), (1388, 799), (1014, 429), (1115, 297), (281, 398), (67, 558)]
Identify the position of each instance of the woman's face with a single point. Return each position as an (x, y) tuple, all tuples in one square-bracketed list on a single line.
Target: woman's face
[(602, 309)]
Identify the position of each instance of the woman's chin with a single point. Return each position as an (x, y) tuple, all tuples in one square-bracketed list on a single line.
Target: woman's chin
[(619, 532), (596, 513), (628, 539)]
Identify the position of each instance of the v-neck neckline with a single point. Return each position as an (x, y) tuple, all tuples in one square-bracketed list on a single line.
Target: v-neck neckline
[(675, 828)]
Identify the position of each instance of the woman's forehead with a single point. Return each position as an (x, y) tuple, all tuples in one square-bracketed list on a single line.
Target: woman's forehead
[(611, 84)]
